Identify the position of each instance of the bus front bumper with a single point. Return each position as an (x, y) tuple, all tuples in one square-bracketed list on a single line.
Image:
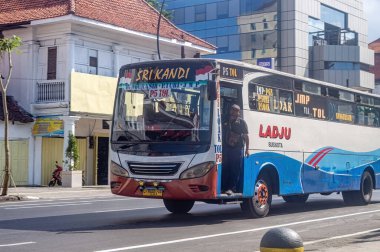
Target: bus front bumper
[(181, 189)]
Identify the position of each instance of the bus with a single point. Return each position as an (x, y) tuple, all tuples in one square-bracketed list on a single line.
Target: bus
[(306, 136)]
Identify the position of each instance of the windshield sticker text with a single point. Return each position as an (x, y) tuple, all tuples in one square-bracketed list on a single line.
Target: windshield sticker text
[(159, 93), (162, 85)]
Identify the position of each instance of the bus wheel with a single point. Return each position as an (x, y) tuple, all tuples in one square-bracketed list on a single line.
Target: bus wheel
[(178, 206), (258, 206), (364, 195), (302, 198)]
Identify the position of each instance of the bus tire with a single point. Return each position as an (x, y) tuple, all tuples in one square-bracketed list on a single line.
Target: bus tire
[(362, 196), (258, 206), (244, 207), (302, 198), (178, 206)]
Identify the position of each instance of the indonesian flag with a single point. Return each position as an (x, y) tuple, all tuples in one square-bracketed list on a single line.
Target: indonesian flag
[(126, 78), (203, 74)]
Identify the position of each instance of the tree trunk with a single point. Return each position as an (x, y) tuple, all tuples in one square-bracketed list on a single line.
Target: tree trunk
[(7, 167), (7, 47)]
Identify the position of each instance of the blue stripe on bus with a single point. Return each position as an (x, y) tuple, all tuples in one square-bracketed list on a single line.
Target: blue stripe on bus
[(328, 176)]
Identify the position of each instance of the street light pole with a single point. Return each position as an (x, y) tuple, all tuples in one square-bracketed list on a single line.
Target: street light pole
[(158, 30)]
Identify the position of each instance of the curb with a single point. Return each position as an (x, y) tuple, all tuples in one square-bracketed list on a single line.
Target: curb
[(17, 198)]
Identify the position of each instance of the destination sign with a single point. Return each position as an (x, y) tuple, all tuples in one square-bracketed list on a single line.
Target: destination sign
[(310, 106), (167, 74), (342, 112), (265, 99), (274, 100), (231, 72)]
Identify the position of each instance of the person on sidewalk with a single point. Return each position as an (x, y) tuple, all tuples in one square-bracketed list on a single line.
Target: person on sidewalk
[(235, 136)]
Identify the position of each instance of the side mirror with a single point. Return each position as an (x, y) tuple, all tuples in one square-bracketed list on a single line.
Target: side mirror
[(211, 90)]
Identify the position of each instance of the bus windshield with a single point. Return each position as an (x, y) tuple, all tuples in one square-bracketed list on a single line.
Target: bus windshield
[(161, 117)]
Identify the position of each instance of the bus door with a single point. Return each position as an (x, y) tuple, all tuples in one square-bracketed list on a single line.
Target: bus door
[(230, 94)]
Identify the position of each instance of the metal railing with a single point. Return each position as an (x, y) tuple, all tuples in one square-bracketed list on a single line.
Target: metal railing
[(50, 91), (334, 37)]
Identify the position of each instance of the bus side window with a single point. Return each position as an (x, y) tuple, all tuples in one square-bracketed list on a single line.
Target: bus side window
[(298, 85), (252, 96), (324, 91)]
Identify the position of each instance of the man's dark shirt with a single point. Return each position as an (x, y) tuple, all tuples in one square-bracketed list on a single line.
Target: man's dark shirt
[(233, 133)]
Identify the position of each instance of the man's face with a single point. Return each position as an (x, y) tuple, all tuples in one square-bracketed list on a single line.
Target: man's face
[(234, 113)]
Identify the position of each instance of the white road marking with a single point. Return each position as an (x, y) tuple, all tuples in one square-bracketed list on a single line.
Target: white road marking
[(342, 236), (235, 232), (16, 244), (61, 205)]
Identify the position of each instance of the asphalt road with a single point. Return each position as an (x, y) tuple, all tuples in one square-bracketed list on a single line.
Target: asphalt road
[(120, 224)]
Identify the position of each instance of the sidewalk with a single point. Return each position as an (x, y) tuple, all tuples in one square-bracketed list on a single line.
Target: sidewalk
[(30, 193)]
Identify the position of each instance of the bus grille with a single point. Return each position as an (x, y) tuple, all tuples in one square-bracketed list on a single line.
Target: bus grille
[(160, 169)]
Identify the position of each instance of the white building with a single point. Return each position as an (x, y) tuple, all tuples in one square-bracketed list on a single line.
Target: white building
[(65, 76)]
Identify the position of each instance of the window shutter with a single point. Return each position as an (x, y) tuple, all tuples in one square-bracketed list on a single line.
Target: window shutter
[(52, 63)]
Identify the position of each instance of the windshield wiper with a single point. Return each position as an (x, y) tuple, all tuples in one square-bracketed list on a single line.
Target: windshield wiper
[(126, 146)]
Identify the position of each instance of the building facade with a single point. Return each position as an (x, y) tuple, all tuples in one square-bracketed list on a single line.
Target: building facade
[(375, 46), (321, 39), (65, 75)]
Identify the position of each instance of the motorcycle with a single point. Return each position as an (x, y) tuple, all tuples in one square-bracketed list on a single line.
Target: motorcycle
[(56, 176)]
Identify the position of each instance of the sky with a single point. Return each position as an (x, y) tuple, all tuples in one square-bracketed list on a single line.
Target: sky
[(372, 13)]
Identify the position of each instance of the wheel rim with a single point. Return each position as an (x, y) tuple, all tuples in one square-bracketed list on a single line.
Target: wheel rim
[(261, 194)]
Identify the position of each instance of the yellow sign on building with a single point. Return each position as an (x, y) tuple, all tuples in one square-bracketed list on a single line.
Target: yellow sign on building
[(48, 126)]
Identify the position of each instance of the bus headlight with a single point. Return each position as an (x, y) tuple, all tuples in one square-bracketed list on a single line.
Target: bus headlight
[(197, 171), (118, 170)]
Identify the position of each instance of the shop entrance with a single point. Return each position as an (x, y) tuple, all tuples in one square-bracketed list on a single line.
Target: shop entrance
[(102, 160)]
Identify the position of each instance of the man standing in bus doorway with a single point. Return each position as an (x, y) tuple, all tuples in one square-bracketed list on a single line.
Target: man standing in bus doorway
[(235, 136)]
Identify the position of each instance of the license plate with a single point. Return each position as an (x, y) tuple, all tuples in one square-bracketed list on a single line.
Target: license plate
[(152, 193)]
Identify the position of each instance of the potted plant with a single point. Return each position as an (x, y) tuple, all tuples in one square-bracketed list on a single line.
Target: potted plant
[(72, 177)]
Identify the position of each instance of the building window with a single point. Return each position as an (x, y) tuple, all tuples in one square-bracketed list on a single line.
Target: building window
[(265, 23), (253, 53), (222, 9), (339, 65), (52, 63), (253, 26), (200, 13), (179, 16), (93, 59), (222, 43), (253, 37), (249, 7), (333, 17)]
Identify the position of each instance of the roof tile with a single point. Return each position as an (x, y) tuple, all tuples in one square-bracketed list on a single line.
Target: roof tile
[(15, 111), (134, 15)]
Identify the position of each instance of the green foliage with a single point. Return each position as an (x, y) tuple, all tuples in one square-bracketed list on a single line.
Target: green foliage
[(72, 153), (7, 45), (157, 5)]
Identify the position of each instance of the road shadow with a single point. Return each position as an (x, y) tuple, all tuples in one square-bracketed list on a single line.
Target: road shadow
[(158, 218), (370, 237)]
